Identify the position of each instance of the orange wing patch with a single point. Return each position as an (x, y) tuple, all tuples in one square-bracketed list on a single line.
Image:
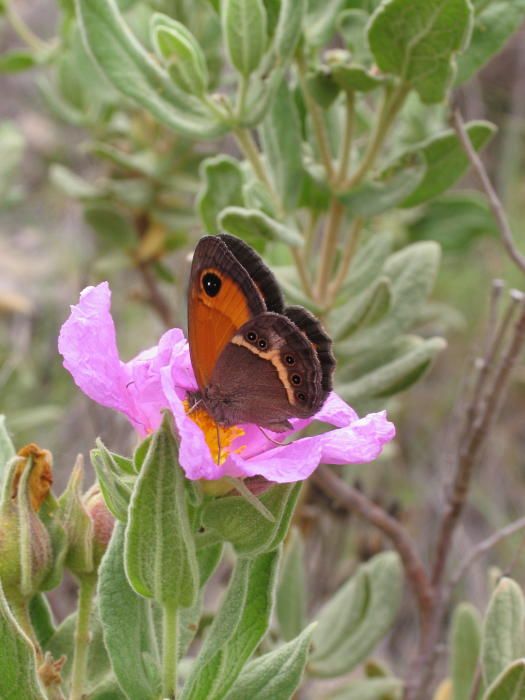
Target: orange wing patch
[(213, 321)]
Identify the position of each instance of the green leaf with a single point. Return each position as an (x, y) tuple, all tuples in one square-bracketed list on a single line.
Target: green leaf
[(291, 591), (42, 619), (455, 220), (222, 183), (108, 689), (494, 22), (236, 521), (244, 29), (510, 684), (78, 524), (464, 649), (274, 676), (237, 629), (352, 25), (371, 689), (114, 229), (131, 70), (366, 308), (396, 375), (322, 86), (7, 449), (180, 52), (411, 272), (368, 263), (160, 551), (386, 192), (340, 616), (418, 42), (384, 581), (18, 678), (115, 490), (252, 225), (446, 160), (503, 636), (127, 623), (289, 28), (281, 136), (355, 78), (320, 20), (73, 185), (17, 61)]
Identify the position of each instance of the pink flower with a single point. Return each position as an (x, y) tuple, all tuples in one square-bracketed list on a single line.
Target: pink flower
[(161, 377)]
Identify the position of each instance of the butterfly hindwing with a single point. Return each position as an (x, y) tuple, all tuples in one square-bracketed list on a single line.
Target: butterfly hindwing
[(267, 373)]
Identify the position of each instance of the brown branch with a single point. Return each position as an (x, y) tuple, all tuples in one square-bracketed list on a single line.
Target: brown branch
[(484, 546), (355, 501), (471, 446), (155, 297), (494, 201)]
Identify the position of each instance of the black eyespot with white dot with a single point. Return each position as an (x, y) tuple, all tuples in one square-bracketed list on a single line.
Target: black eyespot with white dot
[(263, 344), (296, 379), (289, 359), (211, 283), (300, 396), (251, 336)]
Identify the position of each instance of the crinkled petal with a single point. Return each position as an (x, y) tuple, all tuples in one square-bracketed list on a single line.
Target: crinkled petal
[(293, 462), (194, 454), (87, 342)]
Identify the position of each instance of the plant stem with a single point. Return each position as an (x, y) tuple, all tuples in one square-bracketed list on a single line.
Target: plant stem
[(82, 637), (348, 255), (317, 120), (241, 96), (347, 138), (392, 103), (302, 270), (20, 610), (169, 652), (251, 152), (328, 248), (22, 30)]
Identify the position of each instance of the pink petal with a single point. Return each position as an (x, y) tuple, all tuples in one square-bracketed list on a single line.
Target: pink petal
[(293, 462), (88, 345)]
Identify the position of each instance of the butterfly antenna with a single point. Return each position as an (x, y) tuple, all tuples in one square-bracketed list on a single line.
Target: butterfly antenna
[(251, 498), (275, 442), (194, 407)]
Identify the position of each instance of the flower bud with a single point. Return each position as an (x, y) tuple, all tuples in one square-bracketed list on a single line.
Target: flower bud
[(88, 524), (102, 520), (25, 545)]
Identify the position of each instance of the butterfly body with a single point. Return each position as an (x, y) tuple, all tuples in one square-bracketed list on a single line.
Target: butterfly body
[(255, 360)]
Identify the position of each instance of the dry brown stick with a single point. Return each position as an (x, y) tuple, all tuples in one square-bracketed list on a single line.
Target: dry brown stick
[(471, 447), (493, 199), (155, 297), (484, 546), (357, 502)]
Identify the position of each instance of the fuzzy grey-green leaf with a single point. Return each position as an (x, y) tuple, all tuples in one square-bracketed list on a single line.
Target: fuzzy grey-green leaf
[(244, 29), (418, 42), (276, 675), (510, 684), (464, 649), (18, 678), (127, 623), (7, 449), (251, 224), (237, 629), (291, 590), (384, 581), (238, 522), (222, 183), (503, 629), (160, 551)]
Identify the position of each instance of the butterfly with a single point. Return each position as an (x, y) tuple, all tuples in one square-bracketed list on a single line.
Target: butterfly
[(255, 360)]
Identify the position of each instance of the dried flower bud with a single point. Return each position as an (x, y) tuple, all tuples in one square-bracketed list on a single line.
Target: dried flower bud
[(25, 545)]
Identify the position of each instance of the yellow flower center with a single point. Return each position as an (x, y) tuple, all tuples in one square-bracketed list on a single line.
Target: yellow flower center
[(218, 438)]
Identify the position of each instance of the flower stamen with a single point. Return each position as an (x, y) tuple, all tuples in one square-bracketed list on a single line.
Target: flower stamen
[(217, 437)]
